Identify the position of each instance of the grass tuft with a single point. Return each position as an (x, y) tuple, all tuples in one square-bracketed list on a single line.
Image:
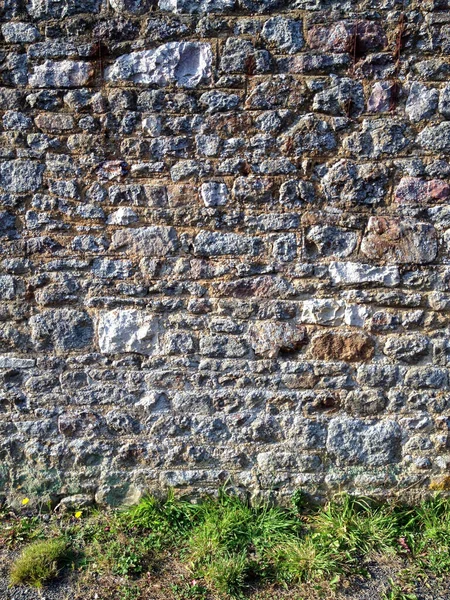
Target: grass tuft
[(39, 563)]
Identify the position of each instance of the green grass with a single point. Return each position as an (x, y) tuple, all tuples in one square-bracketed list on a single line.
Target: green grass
[(39, 563), (226, 546)]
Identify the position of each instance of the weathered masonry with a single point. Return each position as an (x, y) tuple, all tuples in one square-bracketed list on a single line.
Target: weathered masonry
[(225, 236)]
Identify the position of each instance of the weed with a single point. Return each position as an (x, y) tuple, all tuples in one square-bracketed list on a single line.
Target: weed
[(39, 563)]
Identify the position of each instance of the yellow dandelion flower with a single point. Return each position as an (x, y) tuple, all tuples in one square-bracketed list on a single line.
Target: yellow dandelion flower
[(25, 501), (78, 514)]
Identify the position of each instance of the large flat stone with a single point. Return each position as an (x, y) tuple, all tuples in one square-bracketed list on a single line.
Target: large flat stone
[(127, 330), (187, 64)]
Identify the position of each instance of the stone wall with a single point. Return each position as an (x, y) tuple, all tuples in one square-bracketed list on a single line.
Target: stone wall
[(224, 230)]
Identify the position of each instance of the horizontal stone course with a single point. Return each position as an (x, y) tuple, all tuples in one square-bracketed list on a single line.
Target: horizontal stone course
[(224, 235)]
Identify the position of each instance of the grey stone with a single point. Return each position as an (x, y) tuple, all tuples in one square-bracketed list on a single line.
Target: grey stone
[(444, 101), (285, 247), (185, 63), (426, 377), (14, 32), (133, 7), (355, 442), (211, 243), (408, 348), (377, 138), (283, 34), (128, 330), (145, 241), (16, 121), (344, 97), (422, 102), (332, 241), (240, 56), (61, 330), (217, 101), (435, 138), (63, 74), (21, 176)]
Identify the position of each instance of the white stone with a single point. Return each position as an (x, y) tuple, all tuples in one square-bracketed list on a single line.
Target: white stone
[(185, 63), (151, 125), (351, 273), (322, 312), (214, 193), (356, 315), (127, 330), (122, 216), (62, 74)]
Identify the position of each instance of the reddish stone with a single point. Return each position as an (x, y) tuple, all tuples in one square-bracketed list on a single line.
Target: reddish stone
[(399, 240), (414, 190), (356, 38)]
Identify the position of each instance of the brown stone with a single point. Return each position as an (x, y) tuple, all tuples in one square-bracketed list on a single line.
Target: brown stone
[(395, 240), (342, 346)]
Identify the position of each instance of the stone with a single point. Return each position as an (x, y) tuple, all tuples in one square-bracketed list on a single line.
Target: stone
[(61, 330), (196, 6), (435, 138), (349, 347), (132, 7), (346, 181), (13, 362), (128, 330), (217, 101), (285, 247), (377, 138), (187, 64), (211, 243), (322, 312), (444, 101), (407, 348), (222, 346), (16, 121), (344, 97), (62, 74), (214, 194), (240, 56), (17, 33), (399, 240), (415, 190), (20, 176), (426, 377), (343, 36), (350, 273), (145, 241), (285, 35), (356, 442), (123, 216), (365, 403), (382, 97), (268, 339), (332, 241), (422, 102)]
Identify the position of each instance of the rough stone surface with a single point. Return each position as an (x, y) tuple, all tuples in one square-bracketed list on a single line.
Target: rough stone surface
[(225, 247), (185, 63), (399, 241)]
